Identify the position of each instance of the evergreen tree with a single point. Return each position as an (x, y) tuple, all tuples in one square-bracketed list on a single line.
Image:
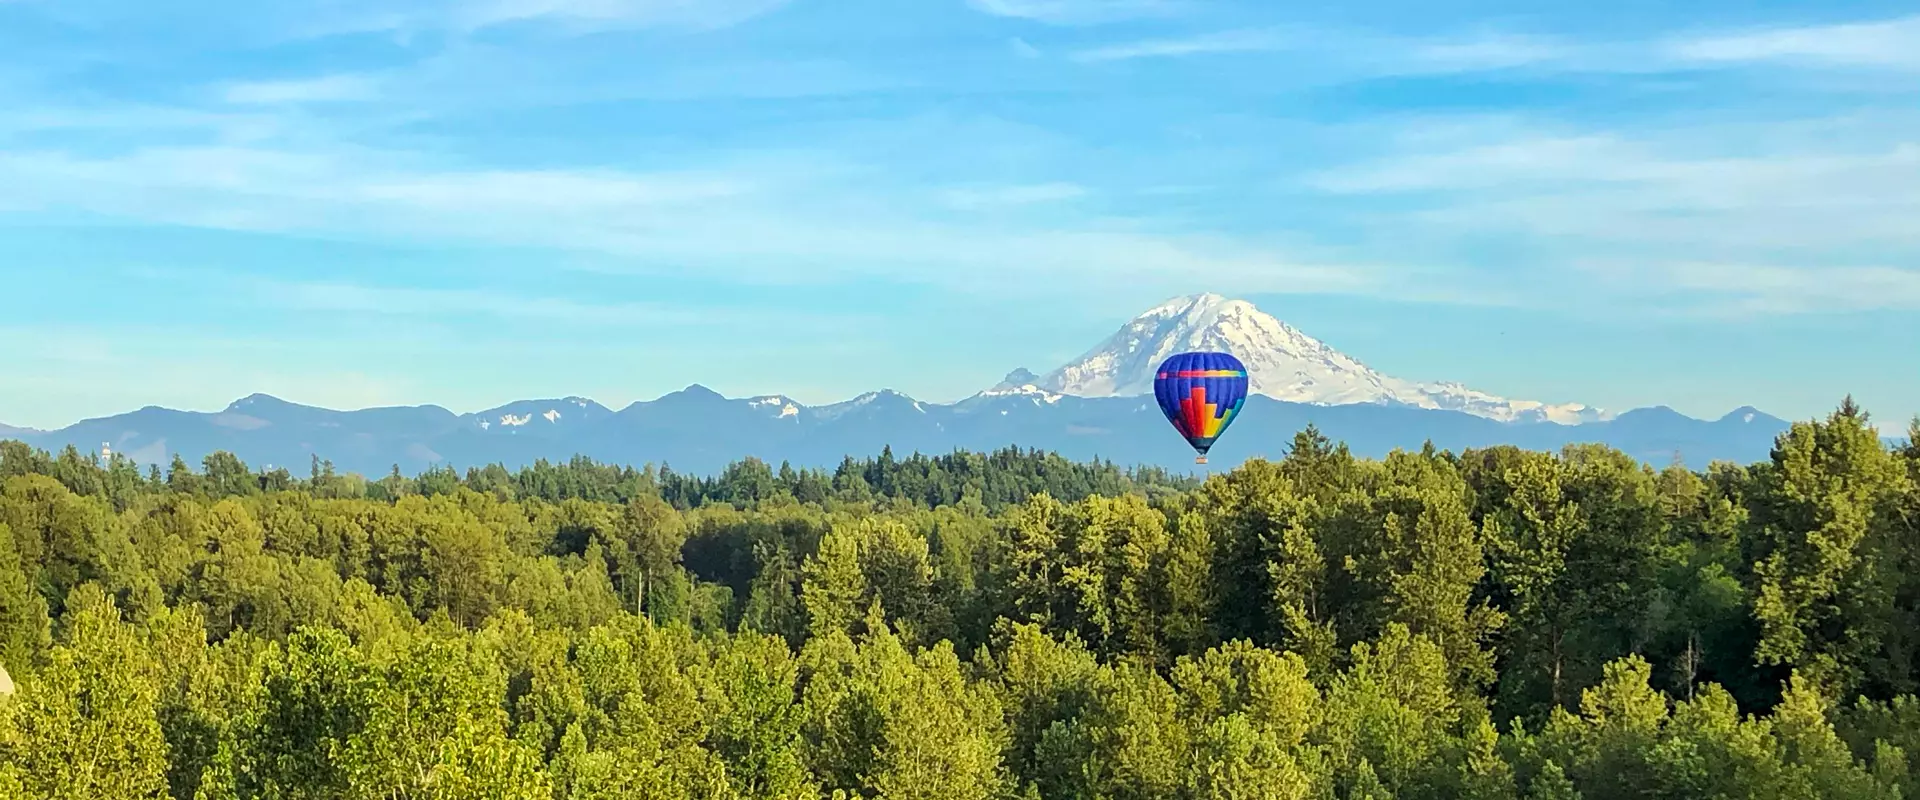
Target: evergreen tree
[(1495, 625)]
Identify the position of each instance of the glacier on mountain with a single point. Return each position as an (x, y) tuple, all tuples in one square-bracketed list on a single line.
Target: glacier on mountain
[(1283, 363)]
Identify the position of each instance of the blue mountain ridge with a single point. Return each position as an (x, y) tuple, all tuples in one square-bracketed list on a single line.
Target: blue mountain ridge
[(698, 430)]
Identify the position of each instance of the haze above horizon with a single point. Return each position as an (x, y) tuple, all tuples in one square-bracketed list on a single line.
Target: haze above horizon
[(467, 202)]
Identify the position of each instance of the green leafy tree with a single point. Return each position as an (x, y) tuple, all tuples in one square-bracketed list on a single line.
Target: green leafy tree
[(833, 583), (85, 725), (1490, 625), (1823, 562)]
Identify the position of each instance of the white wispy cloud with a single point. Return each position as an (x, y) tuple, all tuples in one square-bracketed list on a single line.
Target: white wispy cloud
[(1078, 12), (1865, 156), (1358, 53), (1616, 189), (1794, 223), (1495, 51), (565, 191), (1776, 289), (1885, 45), (471, 16), (506, 304), (1893, 43), (328, 88), (1000, 196), (602, 14), (787, 220), (1231, 41), (141, 120), (1744, 289), (412, 301), (1510, 163), (408, 22), (474, 75), (291, 189), (763, 227), (801, 217)]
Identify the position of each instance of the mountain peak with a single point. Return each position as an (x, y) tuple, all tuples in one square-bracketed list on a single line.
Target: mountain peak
[(1016, 379), (520, 414), (1747, 415), (1282, 362), (261, 403), (1279, 357), (254, 400), (695, 394), (1188, 303)]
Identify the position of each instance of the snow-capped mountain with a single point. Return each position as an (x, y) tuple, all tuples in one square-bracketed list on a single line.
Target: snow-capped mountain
[(699, 430), (885, 401), (778, 406), (538, 414), (1019, 388), (1282, 363), (1092, 407), (1016, 380)]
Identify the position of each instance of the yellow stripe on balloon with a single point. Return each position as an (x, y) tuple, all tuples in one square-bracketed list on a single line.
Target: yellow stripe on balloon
[(1215, 425)]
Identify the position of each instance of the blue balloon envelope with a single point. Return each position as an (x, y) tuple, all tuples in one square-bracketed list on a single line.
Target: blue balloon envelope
[(1201, 394)]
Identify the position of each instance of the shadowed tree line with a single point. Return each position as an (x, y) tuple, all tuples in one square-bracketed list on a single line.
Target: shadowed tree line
[(1496, 624)]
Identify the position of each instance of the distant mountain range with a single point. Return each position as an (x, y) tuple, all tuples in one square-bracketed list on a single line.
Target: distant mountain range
[(1284, 364), (1093, 406)]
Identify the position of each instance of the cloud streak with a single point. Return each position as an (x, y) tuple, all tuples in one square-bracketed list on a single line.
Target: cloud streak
[(1004, 196), (609, 14), (329, 88), (1728, 290), (1890, 44), (1613, 189), (1362, 53), (827, 211), (506, 305), (295, 21), (1806, 221), (1078, 12), (1231, 41), (763, 227), (1774, 289)]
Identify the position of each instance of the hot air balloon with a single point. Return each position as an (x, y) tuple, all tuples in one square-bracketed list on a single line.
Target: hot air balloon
[(1201, 393)]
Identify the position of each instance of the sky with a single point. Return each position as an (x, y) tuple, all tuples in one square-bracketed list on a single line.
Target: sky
[(353, 203)]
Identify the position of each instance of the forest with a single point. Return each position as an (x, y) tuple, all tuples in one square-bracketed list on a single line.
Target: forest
[(1494, 624)]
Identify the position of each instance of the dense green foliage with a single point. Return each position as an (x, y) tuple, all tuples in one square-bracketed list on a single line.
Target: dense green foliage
[(1493, 624)]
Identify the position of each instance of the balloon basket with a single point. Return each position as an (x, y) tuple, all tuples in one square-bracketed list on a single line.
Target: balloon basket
[(1199, 459)]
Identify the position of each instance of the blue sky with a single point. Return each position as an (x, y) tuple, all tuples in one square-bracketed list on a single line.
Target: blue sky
[(466, 202)]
